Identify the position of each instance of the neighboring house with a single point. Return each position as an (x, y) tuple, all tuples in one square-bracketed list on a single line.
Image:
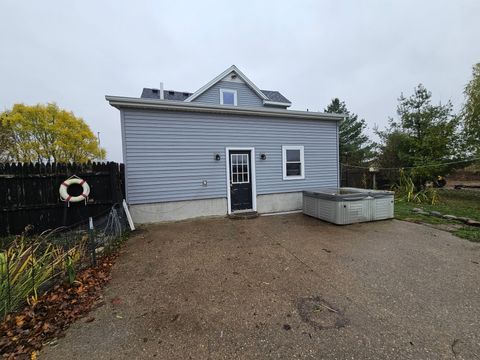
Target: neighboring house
[(228, 147)]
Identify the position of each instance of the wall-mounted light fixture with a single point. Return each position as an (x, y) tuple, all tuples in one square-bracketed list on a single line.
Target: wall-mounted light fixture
[(217, 157), (263, 157)]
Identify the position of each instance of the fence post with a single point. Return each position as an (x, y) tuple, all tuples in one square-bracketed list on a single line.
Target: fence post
[(114, 182), (92, 241)]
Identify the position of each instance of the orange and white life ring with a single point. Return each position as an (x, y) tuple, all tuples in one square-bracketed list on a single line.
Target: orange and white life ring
[(65, 196)]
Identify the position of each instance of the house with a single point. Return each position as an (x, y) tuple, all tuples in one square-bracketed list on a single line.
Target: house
[(228, 147)]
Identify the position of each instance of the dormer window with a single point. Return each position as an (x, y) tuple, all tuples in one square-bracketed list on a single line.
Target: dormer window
[(228, 97)]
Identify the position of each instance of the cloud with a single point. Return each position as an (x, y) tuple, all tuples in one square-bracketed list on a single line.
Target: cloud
[(366, 52)]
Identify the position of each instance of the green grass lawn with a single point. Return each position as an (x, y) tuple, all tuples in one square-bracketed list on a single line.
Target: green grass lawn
[(465, 203)]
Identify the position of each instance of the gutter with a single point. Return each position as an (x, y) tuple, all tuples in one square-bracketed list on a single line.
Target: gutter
[(170, 105)]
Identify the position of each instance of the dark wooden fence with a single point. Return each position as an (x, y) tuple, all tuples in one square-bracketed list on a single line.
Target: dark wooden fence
[(29, 194)]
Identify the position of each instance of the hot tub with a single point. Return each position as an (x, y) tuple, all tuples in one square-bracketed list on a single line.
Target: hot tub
[(348, 205)]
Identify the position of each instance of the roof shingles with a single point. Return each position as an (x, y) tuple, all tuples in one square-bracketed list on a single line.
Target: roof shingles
[(275, 96), (149, 93)]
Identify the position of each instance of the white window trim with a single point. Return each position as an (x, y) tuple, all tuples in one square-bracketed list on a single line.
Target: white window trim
[(284, 161), (230, 91)]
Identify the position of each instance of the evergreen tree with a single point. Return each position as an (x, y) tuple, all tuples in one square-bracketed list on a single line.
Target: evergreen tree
[(355, 147), (424, 134)]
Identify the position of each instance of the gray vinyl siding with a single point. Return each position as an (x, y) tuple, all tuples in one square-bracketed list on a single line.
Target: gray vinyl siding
[(245, 95), (169, 154)]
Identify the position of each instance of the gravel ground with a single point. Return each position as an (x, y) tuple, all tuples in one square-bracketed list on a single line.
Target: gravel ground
[(285, 287)]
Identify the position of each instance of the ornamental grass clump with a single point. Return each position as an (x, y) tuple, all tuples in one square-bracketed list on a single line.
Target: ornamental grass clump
[(405, 190), (27, 266)]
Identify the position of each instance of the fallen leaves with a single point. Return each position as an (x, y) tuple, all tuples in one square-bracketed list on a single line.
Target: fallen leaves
[(24, 333)]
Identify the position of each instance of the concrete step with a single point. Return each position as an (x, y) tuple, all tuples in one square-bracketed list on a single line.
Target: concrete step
[(243, 215)]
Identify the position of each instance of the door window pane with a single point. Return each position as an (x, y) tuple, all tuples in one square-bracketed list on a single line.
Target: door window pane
[(240, 171)]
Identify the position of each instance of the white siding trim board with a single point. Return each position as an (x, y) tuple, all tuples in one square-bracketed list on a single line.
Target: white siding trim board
[(124, 152)]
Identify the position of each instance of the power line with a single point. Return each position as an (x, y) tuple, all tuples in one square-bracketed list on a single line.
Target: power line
[(412, 167)]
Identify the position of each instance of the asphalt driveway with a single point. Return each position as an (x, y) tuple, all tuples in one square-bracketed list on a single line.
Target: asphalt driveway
[(286, 287)]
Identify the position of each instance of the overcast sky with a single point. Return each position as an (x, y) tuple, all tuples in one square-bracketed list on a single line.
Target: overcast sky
[(364, 52)]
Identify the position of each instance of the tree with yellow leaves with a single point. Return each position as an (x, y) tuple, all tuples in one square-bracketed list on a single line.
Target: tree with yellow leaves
[(42, 133), (5, 142)]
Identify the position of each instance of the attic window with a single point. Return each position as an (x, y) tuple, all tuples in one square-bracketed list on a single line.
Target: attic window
[(228, 97), (155, 91), (186, 94), (171, 92)]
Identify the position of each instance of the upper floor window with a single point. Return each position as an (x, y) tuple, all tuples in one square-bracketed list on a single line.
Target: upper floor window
[(293, 162), (228, 97)]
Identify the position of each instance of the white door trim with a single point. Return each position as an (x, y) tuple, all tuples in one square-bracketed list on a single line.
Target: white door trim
[(253, 177)]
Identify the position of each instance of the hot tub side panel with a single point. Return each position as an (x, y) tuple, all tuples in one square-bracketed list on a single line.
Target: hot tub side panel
[(350, 212), (383, 208), (320, 208)]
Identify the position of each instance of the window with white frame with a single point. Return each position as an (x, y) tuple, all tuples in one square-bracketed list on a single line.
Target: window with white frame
[(228, 97), (293, 162)]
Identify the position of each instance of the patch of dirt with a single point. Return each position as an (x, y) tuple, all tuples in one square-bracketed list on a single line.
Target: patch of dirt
[(320, 314)]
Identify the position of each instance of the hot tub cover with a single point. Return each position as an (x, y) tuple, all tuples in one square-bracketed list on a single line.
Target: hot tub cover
[(346, 193)]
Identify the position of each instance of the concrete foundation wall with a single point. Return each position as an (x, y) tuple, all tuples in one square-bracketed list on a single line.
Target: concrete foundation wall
[(180, 210), (273, 203), (177, 210)]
